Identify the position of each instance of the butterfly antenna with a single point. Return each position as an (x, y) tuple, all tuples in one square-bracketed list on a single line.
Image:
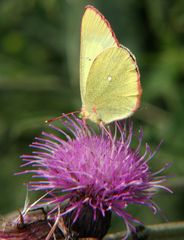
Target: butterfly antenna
[(62, 116)]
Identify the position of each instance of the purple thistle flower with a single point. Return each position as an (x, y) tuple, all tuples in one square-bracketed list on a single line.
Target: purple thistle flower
[(93, 174)]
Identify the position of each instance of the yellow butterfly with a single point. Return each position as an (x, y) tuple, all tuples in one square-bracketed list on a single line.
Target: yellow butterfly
[(109, 76)]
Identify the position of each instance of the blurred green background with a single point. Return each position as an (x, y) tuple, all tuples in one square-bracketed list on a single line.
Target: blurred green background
[(39, 79)]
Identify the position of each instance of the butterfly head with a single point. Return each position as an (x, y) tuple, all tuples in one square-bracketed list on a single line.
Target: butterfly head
[(92, 115)]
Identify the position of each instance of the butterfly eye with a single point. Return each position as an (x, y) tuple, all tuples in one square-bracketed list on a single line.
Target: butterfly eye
[(80, 115)]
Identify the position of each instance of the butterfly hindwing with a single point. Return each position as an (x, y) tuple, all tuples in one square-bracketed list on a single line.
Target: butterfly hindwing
[(113, 86)]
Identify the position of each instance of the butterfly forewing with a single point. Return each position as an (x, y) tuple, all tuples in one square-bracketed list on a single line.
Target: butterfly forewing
[(96, 36)]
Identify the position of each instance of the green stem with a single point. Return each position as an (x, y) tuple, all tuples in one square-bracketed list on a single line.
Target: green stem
[(165, 231)]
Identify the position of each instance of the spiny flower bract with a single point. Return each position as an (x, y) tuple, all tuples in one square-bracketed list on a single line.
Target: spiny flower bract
[(81, 167)]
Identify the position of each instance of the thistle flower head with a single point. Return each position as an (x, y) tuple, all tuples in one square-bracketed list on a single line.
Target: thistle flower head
[(96, 171)]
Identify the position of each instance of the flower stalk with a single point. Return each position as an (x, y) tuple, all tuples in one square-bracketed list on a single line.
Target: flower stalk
[(164, 231)]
